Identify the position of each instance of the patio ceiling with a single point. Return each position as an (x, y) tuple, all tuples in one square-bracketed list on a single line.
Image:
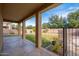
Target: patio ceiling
[(15, 12)]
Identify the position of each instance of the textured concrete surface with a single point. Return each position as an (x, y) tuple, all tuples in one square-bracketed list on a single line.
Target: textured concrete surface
[(15, 46)]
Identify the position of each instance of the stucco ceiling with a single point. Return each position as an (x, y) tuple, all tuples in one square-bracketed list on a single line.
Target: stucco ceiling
[(15, 12)]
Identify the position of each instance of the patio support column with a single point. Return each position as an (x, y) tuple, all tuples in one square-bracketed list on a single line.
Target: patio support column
[(23, 30), (19, 29), (1, 31), (38, 30), (65, 41)]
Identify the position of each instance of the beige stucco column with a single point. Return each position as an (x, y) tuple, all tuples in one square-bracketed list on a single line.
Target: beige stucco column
[(38, 30), (19, 29), (1, 30), (23, 29)]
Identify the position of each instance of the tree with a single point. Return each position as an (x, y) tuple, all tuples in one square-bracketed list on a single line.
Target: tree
[(56, 22), (45, 25), (73, 19), (29, 27)]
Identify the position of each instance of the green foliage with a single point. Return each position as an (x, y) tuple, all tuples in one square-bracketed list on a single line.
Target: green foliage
[(45, 25), (73, 23), (56, 48), (74, 15), (56, 22), (73, 19), (31, 37), (29, 27), (45, 42)]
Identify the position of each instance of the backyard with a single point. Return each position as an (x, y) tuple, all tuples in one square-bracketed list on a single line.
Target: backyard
[(50, 40), (53, 21)]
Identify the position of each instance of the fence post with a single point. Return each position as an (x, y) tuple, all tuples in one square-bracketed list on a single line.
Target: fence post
[(65, 41)]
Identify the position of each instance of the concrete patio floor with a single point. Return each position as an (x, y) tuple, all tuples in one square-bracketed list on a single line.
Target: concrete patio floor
[(16, 46)]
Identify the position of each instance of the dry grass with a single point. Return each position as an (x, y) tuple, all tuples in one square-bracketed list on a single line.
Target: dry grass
[(50, 36)]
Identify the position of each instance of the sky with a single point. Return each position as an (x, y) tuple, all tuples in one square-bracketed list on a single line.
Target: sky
[(61, 10), (30, 21)]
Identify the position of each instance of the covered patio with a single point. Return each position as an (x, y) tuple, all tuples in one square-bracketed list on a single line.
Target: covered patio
[(17, 45)]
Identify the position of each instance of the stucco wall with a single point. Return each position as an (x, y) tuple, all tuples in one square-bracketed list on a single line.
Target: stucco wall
[(1, 29)]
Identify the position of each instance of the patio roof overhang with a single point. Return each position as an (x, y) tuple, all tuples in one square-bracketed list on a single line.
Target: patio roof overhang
[(14, 12)]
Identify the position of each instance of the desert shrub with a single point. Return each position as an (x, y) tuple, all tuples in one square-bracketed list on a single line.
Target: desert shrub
[(48, 38), (56, 45), (45, 31), (45, 42), (56, 48)]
